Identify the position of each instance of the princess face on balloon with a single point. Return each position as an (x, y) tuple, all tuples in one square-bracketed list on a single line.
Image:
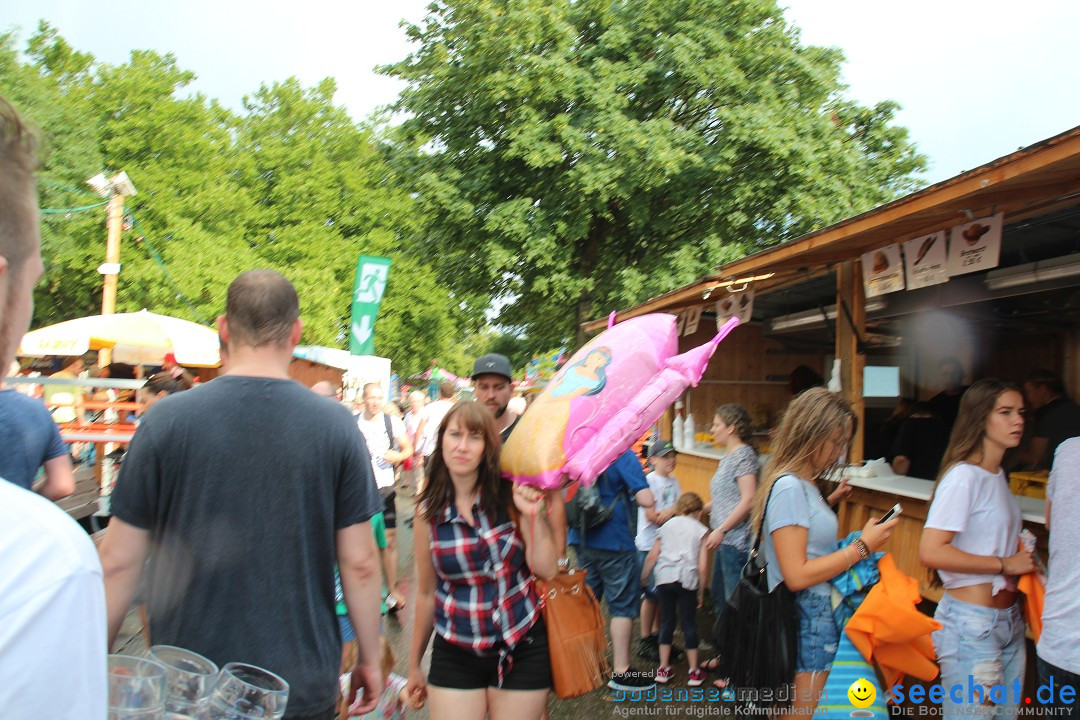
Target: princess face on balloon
[(586, 377)]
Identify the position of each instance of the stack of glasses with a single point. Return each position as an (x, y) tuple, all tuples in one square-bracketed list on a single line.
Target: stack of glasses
[(177, 684)]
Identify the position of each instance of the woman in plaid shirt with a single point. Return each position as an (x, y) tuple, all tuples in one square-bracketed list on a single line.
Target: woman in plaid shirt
[(475, 585)]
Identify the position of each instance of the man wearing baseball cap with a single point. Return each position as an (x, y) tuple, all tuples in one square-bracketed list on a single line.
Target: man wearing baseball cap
[(493, 385)]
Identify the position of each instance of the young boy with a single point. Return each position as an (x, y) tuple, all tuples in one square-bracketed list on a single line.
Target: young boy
[(665, 489)]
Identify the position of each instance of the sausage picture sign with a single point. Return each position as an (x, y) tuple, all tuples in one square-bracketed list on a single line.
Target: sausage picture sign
[(925, 258)]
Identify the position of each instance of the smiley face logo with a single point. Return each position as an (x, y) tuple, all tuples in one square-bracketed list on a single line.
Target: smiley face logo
[(861, 693)]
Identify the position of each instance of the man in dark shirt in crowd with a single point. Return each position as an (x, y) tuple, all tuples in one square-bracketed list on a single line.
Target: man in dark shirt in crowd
[(249, 486), (946, 404), (1057, 418), (919, 444)]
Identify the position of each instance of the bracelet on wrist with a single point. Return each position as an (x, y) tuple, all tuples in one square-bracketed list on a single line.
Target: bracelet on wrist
[(861, 548), (1002, 561)]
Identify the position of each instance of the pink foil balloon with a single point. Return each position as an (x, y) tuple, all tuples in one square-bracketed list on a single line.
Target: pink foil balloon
[(603, 400)]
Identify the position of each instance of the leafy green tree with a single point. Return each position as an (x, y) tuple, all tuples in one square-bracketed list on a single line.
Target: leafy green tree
[(291, 183), (578, 155)]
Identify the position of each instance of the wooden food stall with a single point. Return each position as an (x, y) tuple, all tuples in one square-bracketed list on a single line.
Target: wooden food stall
[(1002, 298)]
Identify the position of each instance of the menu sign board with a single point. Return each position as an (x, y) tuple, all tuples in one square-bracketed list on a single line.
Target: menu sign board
[(975, 245), (740, 305), (883, 272), (692, 320), (926, 260)]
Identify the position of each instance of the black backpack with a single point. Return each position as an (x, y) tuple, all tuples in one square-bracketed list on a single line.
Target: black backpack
[(585, 510)]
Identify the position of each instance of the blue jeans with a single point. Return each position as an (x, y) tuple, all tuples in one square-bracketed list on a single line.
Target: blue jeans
[(728, 562), (979, 647)]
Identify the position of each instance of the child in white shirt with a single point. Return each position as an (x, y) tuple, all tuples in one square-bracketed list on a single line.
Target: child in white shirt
[(679, 557)]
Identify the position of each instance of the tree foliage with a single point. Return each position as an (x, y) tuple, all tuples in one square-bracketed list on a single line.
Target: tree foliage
[(573, 156), (291, 183)]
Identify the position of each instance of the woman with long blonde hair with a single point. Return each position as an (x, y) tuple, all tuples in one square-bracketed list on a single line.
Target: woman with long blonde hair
[(799, 530), (971, 540)]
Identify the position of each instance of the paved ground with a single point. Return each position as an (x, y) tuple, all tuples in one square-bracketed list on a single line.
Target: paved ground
[(598, 704)]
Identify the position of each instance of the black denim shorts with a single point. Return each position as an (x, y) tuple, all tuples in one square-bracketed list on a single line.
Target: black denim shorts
[(460, 669)]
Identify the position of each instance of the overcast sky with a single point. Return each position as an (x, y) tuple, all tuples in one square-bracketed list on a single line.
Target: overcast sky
[(977, 79)]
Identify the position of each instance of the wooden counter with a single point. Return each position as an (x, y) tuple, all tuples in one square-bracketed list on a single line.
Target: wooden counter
[(873, 497)]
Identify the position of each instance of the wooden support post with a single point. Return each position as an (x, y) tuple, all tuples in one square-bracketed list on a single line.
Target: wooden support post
[(849, 291), (112, 255)]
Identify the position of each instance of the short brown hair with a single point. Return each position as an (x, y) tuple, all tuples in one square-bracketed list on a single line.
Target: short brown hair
[(447, 389), (737, 418), (688, 504), (261, 307), (19, 143)]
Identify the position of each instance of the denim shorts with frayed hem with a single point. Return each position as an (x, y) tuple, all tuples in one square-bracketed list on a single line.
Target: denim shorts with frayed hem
[(818, 634), (977, 648)]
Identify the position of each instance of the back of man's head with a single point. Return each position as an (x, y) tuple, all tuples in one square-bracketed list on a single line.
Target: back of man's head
[(261, 308), (1046, 379), (447, 390), (18, 200)]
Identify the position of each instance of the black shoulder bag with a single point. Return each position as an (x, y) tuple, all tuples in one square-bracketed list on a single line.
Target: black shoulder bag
[(757, 633)]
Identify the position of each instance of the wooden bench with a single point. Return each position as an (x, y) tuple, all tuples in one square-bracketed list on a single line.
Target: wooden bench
[(84, 501)]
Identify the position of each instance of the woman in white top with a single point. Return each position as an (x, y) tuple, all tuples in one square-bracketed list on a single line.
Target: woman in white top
[(971, 540)]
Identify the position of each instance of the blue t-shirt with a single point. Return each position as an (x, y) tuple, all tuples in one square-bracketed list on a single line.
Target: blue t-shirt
[(29, 438), (623, 476), (796, 502)]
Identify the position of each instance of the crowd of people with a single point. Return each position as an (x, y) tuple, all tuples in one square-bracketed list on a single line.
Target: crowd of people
[(257, 521)]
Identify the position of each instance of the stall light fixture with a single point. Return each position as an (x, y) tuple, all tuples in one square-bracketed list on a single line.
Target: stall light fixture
[(810, 318), (1059, 268)]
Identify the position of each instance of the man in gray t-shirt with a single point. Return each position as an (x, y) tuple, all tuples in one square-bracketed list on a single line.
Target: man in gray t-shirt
[(1059, 645), (248, 487)]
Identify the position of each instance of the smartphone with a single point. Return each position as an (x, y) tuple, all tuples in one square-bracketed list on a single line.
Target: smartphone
[(896, 510)]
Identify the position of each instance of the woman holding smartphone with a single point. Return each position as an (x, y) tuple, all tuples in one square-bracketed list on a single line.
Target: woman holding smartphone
[(971, 540), (800, 531)]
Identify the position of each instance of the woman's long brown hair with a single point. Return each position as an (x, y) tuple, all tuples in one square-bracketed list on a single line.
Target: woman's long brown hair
[(969, 431), (810, 420), (438, 492)]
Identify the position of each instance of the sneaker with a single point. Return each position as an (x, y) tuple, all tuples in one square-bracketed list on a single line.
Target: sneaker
[(696, 678), (391, 603), (664, 674), (631, 681), (649, 648)]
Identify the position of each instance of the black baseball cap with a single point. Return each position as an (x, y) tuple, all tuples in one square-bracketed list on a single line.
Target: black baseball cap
[(493, 364), (661, 448)]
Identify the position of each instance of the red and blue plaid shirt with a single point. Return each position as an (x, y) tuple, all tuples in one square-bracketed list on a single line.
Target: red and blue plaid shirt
[(485, 597)]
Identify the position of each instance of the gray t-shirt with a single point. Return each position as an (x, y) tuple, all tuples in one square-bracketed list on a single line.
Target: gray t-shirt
[(242, 483), (725, 493), (794, 501), (1059, 643)]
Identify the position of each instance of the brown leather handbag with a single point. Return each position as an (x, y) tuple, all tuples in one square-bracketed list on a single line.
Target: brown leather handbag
[(575, 629)]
